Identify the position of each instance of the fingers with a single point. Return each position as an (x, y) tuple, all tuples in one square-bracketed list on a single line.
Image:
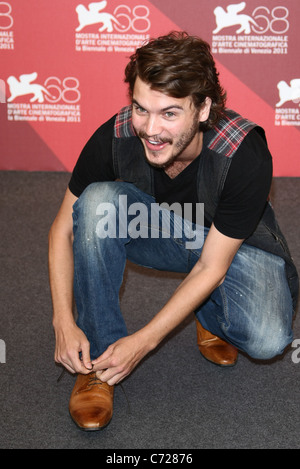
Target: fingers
[(72, 362), (101, 364), (110, 377), (86, 359), (73, 350), (107, 367), (74, 365), (116, 362)]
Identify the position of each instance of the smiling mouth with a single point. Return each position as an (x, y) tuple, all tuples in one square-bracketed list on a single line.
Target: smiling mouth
[(153, 144)]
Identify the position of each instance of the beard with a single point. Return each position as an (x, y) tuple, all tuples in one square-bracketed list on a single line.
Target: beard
[(184, 140)]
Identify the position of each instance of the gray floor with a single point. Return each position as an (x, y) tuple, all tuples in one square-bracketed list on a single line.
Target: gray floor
[(174, 399)]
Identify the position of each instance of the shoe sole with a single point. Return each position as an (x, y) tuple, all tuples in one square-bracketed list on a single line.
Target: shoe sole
[(218, 364), (90, 429)]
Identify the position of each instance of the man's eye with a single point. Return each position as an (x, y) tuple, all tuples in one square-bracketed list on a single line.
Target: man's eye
[(169, 114), (140, 110)]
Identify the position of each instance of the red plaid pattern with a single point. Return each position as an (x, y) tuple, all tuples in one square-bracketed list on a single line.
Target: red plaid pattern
[(123, 123), (229, 133)]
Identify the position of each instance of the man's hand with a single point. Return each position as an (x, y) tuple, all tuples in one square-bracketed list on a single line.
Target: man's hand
[(120, 359), (70, 342)]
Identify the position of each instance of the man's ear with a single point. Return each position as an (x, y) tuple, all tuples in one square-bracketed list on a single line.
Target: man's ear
[(205, 110)]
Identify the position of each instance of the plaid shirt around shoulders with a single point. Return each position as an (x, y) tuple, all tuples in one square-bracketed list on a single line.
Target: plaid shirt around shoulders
[(225, 138)]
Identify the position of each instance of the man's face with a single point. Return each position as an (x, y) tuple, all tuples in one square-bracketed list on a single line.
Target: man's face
[(168, 127)]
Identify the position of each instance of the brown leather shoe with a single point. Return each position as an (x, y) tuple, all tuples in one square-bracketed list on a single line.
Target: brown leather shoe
[(91, 402), (215, 349)]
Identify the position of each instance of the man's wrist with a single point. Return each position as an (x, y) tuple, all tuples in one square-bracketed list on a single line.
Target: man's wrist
[(62, 320), (149, 338)]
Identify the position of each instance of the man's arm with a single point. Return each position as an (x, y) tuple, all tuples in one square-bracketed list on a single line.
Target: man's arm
[(70, 340), (208, 273)]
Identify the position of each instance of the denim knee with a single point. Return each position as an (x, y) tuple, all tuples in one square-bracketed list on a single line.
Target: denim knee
[(85, 216), (265, 346), (95, 193)]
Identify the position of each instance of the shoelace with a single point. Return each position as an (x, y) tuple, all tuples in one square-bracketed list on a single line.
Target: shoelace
[(94, 381), (61, 375)]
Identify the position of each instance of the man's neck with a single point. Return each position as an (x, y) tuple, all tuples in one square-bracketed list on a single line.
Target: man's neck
[(180, 164)]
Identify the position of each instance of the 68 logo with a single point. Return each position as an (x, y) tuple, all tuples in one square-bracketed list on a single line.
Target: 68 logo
[(53, 90), (136, 19), (262, 20), (274, 21), (123, 18)]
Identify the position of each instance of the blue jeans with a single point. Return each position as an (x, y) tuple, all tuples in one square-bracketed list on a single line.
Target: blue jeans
[(252, 309)]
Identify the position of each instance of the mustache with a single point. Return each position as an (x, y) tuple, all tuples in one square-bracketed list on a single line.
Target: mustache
[(142, 134)]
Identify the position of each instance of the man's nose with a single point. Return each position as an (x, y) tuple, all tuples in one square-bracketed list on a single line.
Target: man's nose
[(153, 126)]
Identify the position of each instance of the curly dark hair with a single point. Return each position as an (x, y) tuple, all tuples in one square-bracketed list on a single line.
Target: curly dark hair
[(179, 65)]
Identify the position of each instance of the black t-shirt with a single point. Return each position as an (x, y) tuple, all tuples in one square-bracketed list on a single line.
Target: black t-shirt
[(243, 198)]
